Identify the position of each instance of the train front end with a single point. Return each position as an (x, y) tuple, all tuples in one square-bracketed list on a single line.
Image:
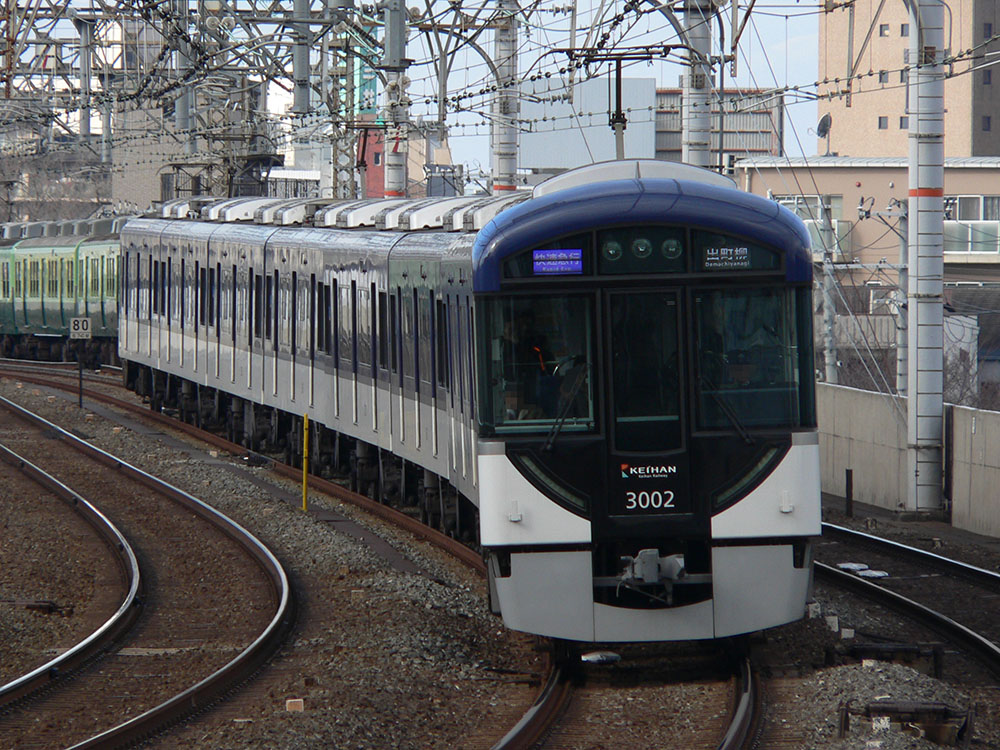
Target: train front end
[(648, 457)]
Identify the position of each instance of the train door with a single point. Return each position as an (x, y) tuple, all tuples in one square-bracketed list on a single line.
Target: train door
[(649, 484)]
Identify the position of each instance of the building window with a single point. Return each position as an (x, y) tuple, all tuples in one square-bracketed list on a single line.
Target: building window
[(987, 77), (987, 30), (883, 76), (902, 76), (883, 29), (904, 29), (987, 123), (377, 158), (904, 122), (883, 123)]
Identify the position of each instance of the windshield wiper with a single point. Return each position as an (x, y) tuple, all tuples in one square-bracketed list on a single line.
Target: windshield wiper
[(728, 411), (564, 406)]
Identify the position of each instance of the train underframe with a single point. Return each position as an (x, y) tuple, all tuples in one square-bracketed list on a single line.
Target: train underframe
[(365, 468), (100, 350)]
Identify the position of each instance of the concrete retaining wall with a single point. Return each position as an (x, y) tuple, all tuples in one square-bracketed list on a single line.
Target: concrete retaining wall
[(976, 471), (866, 432)]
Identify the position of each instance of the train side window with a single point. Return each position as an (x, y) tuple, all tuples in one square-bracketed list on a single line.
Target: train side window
[(293, 319), (272, 320), (383, 330), (333, 329), (460, 355), (203, 297), (110, 282), (415, 330), (258, 302), (5, 278), (18, 276), (432, 345), (354, 327), (53, 280), (168, 283), (471, 356), (394, 323), (344, 320), (441, 342), (209, 298), (375, 342), (182, 288), (95, 277), (314, 324), (268, 307), (450, 350), (326, 313), (217, 295), (156, 285), (233, 302)]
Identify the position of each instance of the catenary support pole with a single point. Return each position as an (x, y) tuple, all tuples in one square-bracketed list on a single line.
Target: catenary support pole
[(926, 260), (696, 107), (506, 106), (394, 62)]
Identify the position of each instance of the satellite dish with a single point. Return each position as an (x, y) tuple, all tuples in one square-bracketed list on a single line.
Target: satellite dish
[(823, 129)]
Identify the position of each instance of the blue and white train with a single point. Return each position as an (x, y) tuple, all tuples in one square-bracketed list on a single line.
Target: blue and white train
[(609, 381)]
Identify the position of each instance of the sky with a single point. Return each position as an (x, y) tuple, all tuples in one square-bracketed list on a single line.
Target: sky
[(778, 48)]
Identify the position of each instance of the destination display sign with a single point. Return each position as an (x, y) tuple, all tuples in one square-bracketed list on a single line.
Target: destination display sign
[(719, 252), (563, 262)]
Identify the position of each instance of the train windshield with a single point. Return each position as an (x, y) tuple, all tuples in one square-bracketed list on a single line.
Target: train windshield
[(540, 364), (754, 359), (644, 354)]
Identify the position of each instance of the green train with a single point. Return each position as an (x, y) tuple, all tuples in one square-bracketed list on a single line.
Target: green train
[(50, 273)]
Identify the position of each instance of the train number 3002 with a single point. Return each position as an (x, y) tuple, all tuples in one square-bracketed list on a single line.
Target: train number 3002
[(655, 500)]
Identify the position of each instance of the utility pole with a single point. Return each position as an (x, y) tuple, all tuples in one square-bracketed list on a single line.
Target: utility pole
[(618, 121), (506, 105), (902, 311), (85, 28), (696, 107), (829, 309), (394, 62), (925, 402)]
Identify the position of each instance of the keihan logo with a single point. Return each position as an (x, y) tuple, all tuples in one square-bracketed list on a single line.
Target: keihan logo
[(646, 472)]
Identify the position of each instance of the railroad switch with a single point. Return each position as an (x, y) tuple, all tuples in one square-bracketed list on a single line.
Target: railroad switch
[(936, 722), (927, 658)]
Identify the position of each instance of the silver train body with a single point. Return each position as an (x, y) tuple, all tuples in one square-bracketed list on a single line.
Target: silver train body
[(494, 343)]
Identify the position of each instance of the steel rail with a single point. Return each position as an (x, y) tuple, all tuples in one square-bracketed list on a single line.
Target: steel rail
[(240, 667), (116, 625), (537, 720), (979, 575), (746, 714), (556, 690), (467, 555), (988, 651)]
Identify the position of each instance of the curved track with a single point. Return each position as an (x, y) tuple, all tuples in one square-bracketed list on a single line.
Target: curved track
[(944, 594), (111, 628), (558, 685), (112, 702)]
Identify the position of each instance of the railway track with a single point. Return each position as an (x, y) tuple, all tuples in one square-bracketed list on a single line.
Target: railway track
[(196, 634), (728, 730), (673, 695), (91, 607)]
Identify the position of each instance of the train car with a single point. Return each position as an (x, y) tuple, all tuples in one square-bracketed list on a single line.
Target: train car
[(609, 383), (46, 280)]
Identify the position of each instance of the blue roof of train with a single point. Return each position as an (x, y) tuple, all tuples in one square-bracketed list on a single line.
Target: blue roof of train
[(639, 201)]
